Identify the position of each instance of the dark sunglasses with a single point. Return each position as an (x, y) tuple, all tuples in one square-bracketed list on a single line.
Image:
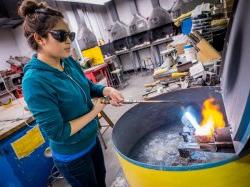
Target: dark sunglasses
[(61, 35)]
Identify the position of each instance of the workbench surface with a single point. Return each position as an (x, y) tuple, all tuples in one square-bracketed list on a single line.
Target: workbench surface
[(95, 68), (13, 118)]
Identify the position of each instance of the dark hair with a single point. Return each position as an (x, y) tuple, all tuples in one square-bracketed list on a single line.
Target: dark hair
[(38, 18)]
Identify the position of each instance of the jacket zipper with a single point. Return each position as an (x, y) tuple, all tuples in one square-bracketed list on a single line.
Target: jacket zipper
[(77, 85)]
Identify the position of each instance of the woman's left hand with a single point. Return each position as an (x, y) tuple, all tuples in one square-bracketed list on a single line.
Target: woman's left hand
[(116, 98)]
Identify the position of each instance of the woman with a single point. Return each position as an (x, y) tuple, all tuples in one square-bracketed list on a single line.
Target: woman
[(59, 96)]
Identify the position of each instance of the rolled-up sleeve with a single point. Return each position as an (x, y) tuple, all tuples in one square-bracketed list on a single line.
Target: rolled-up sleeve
[(44, 107)]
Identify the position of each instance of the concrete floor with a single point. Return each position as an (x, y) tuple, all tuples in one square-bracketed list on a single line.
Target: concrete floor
[(134, 90)]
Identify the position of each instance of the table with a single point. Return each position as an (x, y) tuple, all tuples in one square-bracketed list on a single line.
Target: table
[(9, 116)]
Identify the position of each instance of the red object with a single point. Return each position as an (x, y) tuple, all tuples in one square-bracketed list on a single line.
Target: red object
[(16, 69), (6, 73), (97, 73), (204, 138), (18, 92)]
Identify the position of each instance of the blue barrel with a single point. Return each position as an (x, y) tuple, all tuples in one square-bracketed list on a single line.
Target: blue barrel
[(33, 170)]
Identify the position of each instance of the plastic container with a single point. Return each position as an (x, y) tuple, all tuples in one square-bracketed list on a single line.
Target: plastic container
[(190, 53), (186, 26)]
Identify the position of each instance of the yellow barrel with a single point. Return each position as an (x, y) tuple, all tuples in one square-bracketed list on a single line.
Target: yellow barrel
[(136, 123)]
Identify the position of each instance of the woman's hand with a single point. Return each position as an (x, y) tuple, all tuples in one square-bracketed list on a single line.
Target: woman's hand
[(115, 96), (99, 106), (79, 123)]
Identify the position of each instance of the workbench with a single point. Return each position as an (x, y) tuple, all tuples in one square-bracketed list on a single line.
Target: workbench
[(13, 118), (155, 46), (109, 59), (22, 148), (98, 73), (129, 53)]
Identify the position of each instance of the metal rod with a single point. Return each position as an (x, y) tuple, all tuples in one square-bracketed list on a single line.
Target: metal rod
[(211, 147), (106, 100), (209, 143), (217, 143), (149, 101)]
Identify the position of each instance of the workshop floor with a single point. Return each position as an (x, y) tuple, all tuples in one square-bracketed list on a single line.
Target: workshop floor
[(134, 90)]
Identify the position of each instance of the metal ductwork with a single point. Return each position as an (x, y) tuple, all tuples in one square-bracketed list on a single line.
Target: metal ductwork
[(85, 36), (94, 2), (159, 16), (8, 14), (177, 8), (138, 23), (119, 30)]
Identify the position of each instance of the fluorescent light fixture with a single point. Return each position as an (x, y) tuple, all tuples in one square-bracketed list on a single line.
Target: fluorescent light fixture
[(96, 2)]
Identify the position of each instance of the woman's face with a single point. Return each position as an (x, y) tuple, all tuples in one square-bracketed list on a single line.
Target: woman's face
[(55, 48)]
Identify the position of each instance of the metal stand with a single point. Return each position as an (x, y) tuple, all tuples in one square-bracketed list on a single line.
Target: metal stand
[(110, 124)]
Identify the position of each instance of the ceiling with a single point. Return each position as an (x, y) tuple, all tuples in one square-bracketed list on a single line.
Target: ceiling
[(96, 2)]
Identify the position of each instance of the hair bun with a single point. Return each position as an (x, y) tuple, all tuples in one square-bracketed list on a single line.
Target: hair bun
[(29, 7)]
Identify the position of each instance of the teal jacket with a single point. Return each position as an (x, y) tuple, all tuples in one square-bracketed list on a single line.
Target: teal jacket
[(55, 98)]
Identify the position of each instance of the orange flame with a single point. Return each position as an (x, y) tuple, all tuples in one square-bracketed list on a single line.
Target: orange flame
[(212, 118)]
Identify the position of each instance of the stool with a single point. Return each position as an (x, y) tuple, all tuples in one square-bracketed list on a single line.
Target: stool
[(110, 124), (148, 65), (55, 174), (119, 75)]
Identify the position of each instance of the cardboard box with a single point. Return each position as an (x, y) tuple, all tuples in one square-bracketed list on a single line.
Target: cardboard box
[(180, 48), (207, 53)]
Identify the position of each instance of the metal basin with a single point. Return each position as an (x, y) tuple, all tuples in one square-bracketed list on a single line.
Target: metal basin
[(142, 119)]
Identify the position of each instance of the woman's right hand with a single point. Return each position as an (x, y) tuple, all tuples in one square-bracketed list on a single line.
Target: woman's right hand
[(99, 106), (79, 123)]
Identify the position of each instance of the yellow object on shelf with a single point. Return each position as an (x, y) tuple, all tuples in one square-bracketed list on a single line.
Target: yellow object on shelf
[(94, 54), (178, 20), (219, 22), (160, 71), (178, 75), (6, 105)]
